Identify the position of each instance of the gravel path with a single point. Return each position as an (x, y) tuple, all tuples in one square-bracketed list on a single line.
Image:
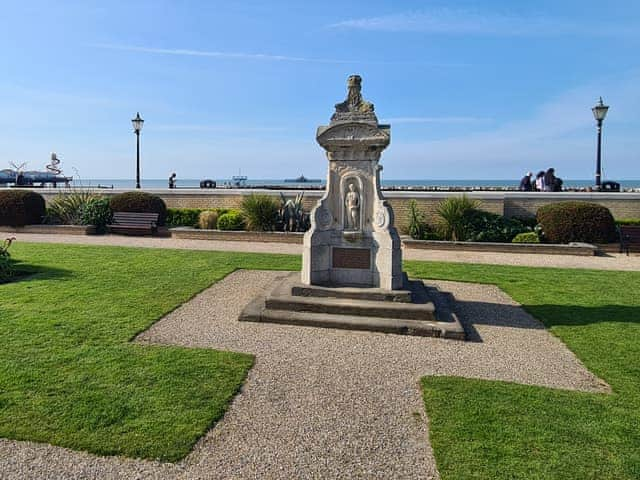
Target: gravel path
[(325, 403), (612, 261)]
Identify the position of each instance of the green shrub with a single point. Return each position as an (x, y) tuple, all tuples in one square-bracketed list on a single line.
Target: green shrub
[(183, 217), (432, 235), (21, 207), (566, 222), (530, 222), (481, 226), (6, 266), (452, 212), (418, 228), (208, 220), (526, 237), (66, 208), (140, 202), (260, 212), (97, 212), (628, 221), (417, 224), (232, 220)]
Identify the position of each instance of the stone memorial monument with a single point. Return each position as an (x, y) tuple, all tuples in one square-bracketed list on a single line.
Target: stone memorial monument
[(352, 240), (352, 260)]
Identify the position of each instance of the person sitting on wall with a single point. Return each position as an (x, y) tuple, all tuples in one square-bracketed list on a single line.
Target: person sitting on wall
[(549, 180), (525, 183), (540, 181), (557, 186), (172, 180)]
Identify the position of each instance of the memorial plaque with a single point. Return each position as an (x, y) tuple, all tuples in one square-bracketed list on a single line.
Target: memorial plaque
[(352, 258)]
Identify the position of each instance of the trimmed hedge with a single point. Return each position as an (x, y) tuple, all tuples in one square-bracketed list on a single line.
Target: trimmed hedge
[(21, 207), (232, 220), (139, 202), (526, 237), (566, 222), (183, 217), (628, 221)]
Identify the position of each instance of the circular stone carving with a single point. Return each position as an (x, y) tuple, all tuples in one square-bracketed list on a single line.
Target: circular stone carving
[(380, 218)]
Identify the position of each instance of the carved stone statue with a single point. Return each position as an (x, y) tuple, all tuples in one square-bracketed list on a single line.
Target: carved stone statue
[(352, 202), (352, 240), (354, 104)]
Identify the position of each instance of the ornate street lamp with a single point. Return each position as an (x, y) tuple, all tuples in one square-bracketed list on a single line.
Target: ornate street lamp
[(137, 126), (599, 112)]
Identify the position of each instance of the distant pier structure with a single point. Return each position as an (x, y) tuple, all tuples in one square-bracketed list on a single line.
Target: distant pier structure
[(18, 177)]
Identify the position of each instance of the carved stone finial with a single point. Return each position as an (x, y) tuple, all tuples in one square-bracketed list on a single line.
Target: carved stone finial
[(354, 104)]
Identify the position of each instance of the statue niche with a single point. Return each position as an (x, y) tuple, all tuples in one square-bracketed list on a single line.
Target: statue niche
[(353, 207)]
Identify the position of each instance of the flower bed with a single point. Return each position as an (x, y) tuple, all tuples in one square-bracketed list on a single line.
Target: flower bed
[(236, 235), (583, 249), (43, 228)]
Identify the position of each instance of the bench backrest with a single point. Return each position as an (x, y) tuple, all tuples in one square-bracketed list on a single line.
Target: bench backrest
[(134, 218), (630, 232)]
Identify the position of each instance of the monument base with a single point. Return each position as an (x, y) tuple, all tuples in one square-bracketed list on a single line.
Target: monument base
[(415, 309)]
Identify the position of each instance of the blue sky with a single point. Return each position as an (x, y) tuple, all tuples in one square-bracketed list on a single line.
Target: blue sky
[(473, 90)]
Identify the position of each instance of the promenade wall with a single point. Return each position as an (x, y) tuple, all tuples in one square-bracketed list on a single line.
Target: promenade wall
[(510, 204)]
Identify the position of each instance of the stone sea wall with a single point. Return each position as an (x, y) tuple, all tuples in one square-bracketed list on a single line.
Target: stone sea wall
[(510, 204)]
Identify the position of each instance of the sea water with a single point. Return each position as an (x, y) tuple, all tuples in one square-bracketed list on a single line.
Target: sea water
[(193, 183)]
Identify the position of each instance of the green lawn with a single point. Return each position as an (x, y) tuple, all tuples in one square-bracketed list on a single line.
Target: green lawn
[(70, 376), (496, 430), (68, 372)]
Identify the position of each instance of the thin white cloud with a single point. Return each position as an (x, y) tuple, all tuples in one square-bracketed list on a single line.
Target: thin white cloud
[(177, 128), (215, 54), (395, 120), (262, 56), (469, 22)]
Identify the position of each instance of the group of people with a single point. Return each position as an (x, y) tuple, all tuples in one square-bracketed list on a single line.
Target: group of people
[(544, 182)]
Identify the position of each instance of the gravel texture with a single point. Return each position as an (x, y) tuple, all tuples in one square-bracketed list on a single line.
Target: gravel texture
[(323, 403), (611, 261)]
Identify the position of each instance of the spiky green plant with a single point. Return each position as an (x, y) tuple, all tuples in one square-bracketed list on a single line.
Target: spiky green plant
[(453, 212), (417, 224), (6, 267), (260, 212), (97, 212), (66, 208)]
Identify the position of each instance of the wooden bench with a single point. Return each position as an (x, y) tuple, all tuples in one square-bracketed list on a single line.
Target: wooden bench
[(133, 223), (629, 238)]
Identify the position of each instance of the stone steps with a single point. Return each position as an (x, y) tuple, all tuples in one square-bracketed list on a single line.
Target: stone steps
[(291, 303), (257, 311), (351, 307), (355, 293)]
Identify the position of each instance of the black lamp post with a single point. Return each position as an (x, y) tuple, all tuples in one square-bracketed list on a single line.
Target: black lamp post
[(137, 126), (599, 112)]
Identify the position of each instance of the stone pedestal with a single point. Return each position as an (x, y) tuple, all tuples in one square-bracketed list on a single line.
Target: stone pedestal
[(352, 263), (352, 240)]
